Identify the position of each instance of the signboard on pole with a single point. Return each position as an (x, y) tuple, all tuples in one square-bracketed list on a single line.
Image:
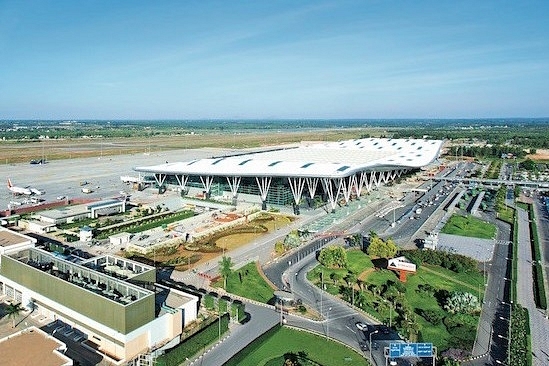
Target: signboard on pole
[(410, 350)]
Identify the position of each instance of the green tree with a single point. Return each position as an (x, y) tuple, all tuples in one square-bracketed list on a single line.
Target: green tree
[(336, 277), (13, 311), (528, 164), (279, 247), (351, 279), (333, 256), (225, 269), (292, 240), (382, 249)]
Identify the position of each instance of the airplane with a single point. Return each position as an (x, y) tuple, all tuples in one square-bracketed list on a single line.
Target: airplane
[(18, 190), (36, 191), (24, 190)]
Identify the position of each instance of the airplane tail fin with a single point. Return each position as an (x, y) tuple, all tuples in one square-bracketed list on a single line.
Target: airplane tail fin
[(9, 183)]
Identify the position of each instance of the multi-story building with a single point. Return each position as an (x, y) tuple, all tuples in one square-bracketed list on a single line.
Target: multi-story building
[(114, 302)]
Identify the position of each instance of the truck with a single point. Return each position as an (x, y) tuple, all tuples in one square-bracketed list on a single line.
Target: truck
[(86, 190)]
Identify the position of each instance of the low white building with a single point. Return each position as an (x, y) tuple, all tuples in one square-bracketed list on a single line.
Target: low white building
[(120, 238), (86, 234)]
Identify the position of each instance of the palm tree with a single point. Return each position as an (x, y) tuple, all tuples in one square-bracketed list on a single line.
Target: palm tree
[(13, 311), (225, 265), (351, 279)]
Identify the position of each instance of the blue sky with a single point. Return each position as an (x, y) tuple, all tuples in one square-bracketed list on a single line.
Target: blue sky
[(273, 59)]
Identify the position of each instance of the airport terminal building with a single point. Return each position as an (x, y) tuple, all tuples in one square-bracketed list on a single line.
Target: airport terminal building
[(333, 171), (112, 304)]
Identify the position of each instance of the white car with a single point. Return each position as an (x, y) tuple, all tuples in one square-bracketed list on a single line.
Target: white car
[(361, 326)]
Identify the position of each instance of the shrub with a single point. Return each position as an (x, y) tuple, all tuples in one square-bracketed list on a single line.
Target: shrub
[(462, 302), (434, 317)]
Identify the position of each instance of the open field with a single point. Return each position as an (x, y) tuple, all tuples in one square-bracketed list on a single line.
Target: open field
[(540, 155), (55, 149), (469, 226)]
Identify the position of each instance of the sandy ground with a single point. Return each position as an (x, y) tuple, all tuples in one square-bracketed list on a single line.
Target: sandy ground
[(541, 154)]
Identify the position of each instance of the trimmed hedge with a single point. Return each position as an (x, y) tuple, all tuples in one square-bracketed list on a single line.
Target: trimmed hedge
[(195, 344), (520, 352), (537, 270)]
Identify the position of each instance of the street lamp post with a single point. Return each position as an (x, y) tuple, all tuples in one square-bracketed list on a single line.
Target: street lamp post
[(372, 333), (328, 323), (390, 312), (321, 290), (280, 308)]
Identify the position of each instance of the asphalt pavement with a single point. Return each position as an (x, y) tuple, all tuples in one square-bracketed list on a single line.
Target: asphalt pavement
[(525, 296)]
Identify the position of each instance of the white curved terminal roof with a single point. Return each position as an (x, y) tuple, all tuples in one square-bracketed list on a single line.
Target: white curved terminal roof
[(314, 159)]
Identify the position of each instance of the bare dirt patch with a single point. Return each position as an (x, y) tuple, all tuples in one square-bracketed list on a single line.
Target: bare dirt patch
[(363, 275), (541, 154)]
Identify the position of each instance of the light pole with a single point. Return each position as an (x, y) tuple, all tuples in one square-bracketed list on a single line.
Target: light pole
[(280, 308), (328, 323), (372, 333), (390, 312), (321, 290)]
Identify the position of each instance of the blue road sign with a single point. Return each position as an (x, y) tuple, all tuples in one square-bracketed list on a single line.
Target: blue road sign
[(424, 349), (410, 350)]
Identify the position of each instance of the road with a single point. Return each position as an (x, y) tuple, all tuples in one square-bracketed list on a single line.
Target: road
[(525, 296), (338, 317), (492, 331), (262, 318)]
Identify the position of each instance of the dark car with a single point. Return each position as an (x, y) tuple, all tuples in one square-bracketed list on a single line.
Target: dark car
[(384, 329)]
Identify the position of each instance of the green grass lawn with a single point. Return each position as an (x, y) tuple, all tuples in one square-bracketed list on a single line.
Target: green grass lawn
[(252, 286), (469, 226), (270, 349), (444, 279), (358, 262), (438, 277)]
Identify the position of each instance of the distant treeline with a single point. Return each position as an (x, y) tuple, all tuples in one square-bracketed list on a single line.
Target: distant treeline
[(523, 133), (506, 137)]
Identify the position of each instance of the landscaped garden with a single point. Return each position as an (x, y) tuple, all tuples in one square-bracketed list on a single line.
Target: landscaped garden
[(248, 283), (184, 257), (282, 345), (440, 303)]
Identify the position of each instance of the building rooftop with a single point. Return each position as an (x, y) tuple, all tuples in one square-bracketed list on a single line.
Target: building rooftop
[(320, 159), (99, 277), (32, 347), (8, 238), (104, 203), (64, 212)]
